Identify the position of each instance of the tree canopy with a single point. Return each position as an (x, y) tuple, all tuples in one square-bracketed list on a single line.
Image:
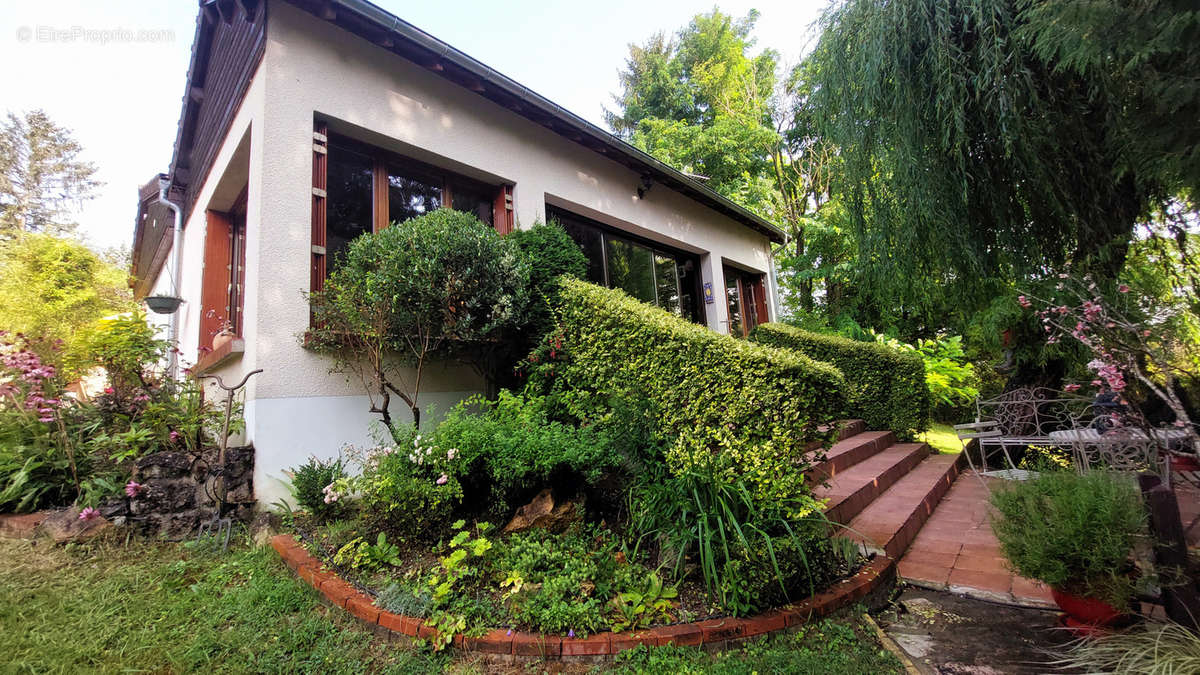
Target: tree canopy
[(41, 176), (969, 154), (51, 287)]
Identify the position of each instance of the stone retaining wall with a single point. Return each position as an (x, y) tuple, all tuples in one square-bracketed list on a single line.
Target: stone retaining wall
[(177, 491), (870, 585)]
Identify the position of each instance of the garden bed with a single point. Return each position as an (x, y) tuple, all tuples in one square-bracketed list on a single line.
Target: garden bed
[(870, 583)]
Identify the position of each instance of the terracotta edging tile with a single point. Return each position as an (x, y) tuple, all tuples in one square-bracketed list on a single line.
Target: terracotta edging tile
[(495, 641), (533, 644), (593, 645), (713, 634)]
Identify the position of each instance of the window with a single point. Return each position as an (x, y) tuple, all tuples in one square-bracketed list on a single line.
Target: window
[(645, 270), (358, 188), (746, 297), (223, 278)]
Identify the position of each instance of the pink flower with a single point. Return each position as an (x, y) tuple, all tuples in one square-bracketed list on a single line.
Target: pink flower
[(175, 436), (89, 514), (110, 391), (132, 488), (442, 479), (1071, 387), (1123, 288), (1096, 383), (1146, 333), (1024, 302)]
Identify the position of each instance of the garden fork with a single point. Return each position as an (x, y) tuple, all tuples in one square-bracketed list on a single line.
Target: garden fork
[(221, 525)]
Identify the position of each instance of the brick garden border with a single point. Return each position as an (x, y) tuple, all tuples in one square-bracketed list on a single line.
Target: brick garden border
[(713, 635)]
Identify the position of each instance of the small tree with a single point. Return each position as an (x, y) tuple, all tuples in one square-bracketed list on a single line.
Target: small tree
[(1127, 335), (440, 284)]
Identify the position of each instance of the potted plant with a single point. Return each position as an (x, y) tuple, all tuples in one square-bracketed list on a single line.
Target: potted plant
[(224, 333), (1074, 532)]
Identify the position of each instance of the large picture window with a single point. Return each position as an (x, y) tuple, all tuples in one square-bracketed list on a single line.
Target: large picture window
[(358, 188), (646, 270)]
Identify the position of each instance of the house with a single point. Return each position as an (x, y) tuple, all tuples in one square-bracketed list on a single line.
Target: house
[(308, 122)]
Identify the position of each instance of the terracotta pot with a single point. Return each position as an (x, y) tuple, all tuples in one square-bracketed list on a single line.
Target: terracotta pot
[(221, 339), (1182, 462), (1088, 611)]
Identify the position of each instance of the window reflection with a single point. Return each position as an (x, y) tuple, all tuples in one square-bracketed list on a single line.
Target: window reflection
[(348, 201), (644, 270)]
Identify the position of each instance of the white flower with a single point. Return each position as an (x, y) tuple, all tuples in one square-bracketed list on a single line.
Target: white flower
[(451, 453)]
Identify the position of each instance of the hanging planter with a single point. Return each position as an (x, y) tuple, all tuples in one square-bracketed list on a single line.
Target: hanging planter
[(163, 304)]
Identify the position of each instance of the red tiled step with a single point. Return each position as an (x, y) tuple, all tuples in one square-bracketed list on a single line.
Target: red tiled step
[(850, 451), (845, 429), (891, 522), (853, 489), (850, 428)]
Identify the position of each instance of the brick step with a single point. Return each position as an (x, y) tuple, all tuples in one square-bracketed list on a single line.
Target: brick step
[(850, 451), (853, 489), (891, 522), (845, 429), (850, 428)]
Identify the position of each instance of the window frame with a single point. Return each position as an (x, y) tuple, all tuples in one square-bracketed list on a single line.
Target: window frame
[(656, 249), (751, 296), (325, 141)]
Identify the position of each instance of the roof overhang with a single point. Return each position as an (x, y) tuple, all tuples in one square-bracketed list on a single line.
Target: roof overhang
[(388, 31)]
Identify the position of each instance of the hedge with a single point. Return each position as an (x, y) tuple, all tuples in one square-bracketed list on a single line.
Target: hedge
[(746, 409), (886, 387)]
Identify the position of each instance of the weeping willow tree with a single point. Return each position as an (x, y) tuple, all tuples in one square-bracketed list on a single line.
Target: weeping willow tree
[(971, 156)]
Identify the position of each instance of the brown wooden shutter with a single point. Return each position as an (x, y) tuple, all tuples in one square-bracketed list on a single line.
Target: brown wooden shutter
[(502, 210), (319, 185), (215, 277), (760, 298)]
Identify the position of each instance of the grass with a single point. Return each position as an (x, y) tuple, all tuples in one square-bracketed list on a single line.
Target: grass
[(843, 646), (941, 437), (171, 608)]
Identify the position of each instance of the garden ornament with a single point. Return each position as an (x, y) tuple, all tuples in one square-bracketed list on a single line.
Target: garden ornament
[(221, 525)]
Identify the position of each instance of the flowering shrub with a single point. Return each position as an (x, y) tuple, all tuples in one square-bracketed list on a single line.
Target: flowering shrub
[(406, 489), (1129, 336), (55, 449), (38, 460)]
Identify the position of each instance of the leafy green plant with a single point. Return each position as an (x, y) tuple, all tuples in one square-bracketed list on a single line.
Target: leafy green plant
[(308, 482), (551, 253), (886, 386), (562, 583), (637, 608), (511, 447), (749, 552), (1073, 532), (409, 599)]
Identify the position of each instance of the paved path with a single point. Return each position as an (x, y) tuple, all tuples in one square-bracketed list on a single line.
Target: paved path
[(956, 551)]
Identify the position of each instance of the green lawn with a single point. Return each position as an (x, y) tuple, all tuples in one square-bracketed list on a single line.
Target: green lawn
[(156, 607), (941, 437)]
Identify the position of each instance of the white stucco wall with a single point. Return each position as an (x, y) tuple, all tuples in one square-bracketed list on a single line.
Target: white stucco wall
[(296, 408)]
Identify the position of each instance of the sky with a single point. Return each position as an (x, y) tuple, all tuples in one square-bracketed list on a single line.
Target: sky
[(113, 72)]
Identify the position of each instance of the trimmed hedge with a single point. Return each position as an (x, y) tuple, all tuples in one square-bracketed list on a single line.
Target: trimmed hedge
[(741, 408), (886, 387)]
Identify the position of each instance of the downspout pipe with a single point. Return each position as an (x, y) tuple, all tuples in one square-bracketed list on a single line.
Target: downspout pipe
[(177, 258)]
